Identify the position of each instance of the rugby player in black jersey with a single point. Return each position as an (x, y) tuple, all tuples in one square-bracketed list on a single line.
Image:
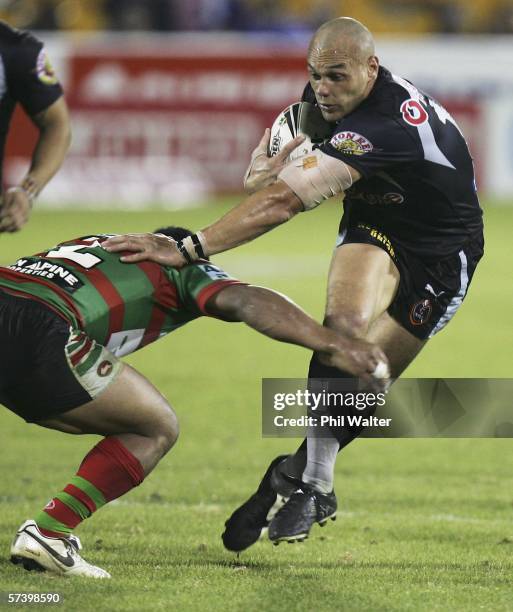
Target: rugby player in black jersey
[(27, 78), (409, 242)]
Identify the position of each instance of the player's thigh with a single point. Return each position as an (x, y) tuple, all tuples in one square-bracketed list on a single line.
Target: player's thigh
[(57, 376), (362, 283), (397, 343), (130, 404)]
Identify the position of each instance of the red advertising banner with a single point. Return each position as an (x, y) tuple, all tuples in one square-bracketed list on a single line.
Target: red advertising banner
[(159, 128)]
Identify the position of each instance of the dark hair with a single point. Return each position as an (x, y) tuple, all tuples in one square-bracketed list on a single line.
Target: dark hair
[(176, 233)]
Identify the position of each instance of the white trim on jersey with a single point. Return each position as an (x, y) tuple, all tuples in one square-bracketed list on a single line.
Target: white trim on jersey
[(340, 238), (456, 301), (3, 81), (432, 151)]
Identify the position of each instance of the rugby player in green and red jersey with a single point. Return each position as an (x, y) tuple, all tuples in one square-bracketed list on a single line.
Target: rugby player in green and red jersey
[(67, 315)]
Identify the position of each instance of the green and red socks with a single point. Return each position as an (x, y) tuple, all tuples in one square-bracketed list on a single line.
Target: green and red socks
[(108, 471)]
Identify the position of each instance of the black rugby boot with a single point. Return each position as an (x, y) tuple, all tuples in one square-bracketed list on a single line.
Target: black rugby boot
[(305, 507), (245, 525)]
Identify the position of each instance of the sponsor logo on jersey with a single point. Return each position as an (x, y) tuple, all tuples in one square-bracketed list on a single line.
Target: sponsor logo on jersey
[(413, 112), (430, 289), (44, 69), (393, 198), (214, 272), (351, 143), (377, 199), (56, 273), (379, 237), (420, 312)]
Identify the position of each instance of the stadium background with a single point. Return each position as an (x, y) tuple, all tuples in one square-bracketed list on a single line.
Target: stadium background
[(163, 125)]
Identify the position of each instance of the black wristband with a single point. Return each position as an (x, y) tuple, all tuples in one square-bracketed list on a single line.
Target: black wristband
[(198, 247), (181, 247)]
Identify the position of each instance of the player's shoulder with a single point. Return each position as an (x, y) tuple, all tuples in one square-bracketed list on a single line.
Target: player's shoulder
[(376, 122), (202, 268), (12, 39), (393, 110), (388, 94)]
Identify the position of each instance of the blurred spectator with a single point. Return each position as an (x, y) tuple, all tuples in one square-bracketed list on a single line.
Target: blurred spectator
[(139, 14), (502, 21), (382, 16)]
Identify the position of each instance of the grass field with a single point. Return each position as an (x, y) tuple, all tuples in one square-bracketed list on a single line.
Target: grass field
[(423, 524)]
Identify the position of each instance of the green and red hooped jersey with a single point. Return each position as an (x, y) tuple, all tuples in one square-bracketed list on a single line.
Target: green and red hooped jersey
[(122, 306)]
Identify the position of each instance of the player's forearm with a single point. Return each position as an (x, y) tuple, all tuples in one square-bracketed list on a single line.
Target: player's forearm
[(277, 317), (49, 153), (256, 215), (51, 147)]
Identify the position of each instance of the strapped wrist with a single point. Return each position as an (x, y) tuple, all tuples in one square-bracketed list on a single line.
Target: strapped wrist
[(193, 247)]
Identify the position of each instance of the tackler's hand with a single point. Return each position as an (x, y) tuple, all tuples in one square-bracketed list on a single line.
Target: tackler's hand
[(362, 359), (146, 247)]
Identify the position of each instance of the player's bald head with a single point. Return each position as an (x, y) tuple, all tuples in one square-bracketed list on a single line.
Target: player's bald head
[(342, 66), (343, 36)]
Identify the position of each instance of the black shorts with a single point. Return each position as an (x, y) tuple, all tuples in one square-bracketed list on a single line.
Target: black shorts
[(47, 367), (429, 292)]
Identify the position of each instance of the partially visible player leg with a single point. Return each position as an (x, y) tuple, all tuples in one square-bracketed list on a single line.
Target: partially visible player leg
[(422, 299), (361, 285), (132, 410), (316, 502), (400, 347), (140, 427), (362, 282)]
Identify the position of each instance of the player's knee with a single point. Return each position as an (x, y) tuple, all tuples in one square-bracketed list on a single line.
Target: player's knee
[(168, 431), (355, 324)]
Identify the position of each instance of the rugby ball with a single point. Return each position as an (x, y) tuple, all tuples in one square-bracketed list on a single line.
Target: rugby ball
[(299, 118)]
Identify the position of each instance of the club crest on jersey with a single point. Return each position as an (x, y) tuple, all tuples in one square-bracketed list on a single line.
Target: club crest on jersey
[(413, 112), (105, 368), (351, 143), (44, 69), (420, 312)]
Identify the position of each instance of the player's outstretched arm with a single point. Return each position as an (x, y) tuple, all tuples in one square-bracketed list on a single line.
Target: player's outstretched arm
[(256, 215), (302, 185), (277, 317)]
